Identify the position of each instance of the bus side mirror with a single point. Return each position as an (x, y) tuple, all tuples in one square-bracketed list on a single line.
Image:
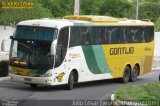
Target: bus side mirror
[(53, 47)]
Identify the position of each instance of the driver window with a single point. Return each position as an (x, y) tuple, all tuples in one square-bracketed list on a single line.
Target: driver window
[(62, 45)]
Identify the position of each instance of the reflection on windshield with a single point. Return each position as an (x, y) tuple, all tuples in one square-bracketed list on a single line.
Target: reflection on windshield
[(35, 33), (31, 54)]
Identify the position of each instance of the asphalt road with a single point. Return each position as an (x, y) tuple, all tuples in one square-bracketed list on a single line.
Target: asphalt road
[(44, 96)]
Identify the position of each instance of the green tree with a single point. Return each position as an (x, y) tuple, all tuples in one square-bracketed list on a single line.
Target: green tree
[(90, 7), (149, 1), (117, 8), (149, 10), (157, 25), (59, 8), (12, 16)]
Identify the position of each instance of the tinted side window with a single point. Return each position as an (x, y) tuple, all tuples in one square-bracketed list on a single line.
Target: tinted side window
[(81, 36), (100, 35), (139, 34), (132, 35), (126, 34), (148, 33), (110, 35), (86, 33), (123, 34), (75, 36), (151, 37), (62, 45), (115, 35), (135, 35)]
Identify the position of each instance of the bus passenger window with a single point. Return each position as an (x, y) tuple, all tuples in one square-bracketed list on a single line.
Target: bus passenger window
[(75, 37), (136, 35), (102, 36), (123, 35), (120, 38), (126, 33), (114, 35), (143, 37), (150, 33), (132, 35), (85, 35)]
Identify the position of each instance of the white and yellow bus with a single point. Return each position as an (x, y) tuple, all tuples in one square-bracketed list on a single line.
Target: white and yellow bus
[(80, 49)]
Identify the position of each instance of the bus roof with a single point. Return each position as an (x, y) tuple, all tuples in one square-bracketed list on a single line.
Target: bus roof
[(53, 23), (107, 20), (85, 20)]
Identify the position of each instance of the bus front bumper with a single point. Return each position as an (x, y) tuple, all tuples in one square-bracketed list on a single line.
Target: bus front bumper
[(33, 80)]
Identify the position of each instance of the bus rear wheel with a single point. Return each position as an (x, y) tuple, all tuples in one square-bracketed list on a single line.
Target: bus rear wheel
[(126, 75), (134, 74), (70, 84)]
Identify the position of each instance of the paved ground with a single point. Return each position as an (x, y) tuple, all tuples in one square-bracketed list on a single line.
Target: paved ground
[(99, 90)]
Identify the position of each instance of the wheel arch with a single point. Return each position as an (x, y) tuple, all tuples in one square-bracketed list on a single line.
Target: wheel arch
[(129, 65)]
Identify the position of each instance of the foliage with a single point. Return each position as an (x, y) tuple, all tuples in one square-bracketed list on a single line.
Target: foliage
[(59, 8), (158, 24), (12, 16), (116, 8), (90, 7), (149, 91), (148, 9)]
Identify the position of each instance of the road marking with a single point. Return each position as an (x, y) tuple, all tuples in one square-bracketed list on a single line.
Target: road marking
[(5, 78)]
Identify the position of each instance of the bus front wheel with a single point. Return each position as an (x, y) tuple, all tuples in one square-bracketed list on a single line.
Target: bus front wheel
[(126, 75), (134, 74), (70, 84)]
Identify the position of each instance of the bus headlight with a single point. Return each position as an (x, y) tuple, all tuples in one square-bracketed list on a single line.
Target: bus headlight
[(45, 75)]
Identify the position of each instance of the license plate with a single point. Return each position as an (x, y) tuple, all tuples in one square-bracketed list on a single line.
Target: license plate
[(27, 79)]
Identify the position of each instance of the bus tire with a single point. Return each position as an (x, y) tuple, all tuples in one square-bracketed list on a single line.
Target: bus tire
[(33, 85), (70, 84), (134, 73), (126, 75)]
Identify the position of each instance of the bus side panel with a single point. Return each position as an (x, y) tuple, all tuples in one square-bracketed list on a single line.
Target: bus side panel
[(148, 57), (96, 62), (89, 61), (119, 55)]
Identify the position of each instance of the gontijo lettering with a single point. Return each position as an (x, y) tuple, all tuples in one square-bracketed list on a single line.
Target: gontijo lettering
[(122, 51)]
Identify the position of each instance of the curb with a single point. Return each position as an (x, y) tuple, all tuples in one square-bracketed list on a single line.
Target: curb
[(5, 78)]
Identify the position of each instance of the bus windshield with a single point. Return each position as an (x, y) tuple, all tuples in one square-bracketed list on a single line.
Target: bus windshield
[(35, 33), (31, 54), (30, 47)]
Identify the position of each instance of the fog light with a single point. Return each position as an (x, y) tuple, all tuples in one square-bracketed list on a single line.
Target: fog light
[(48, 81)]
